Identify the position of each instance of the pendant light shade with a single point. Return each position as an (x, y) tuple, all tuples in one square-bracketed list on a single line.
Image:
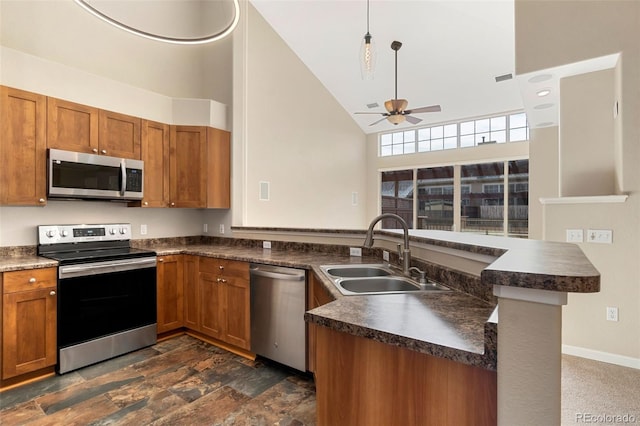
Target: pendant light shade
[(367, 53)]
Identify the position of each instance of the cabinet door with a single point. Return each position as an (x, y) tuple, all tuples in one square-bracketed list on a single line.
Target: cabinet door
[(219, 169), (23, 121), (237, 312), (71, 126), (155, 154), (187, 178), (211, 305), (170, 282), (191, 293), (28, 331), (119, 135)]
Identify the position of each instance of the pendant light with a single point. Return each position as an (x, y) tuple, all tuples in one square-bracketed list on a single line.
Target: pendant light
[(367, 53)]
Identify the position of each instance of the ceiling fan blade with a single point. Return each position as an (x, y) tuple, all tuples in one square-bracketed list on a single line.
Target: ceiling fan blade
[(376, 122), (432, 108), (413, 120), (380, 113)]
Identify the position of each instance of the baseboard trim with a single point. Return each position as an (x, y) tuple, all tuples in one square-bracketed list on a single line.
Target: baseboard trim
[(625, 361)]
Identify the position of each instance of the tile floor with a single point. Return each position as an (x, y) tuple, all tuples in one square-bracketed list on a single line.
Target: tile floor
[(180, 381)]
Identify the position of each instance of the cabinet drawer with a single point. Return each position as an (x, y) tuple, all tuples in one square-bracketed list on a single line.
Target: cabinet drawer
[(223, 267), (30, 279)]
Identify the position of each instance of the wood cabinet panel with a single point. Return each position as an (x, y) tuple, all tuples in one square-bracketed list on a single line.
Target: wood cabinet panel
[(316, 296), (23, 124), (155, 154), (237, 313), (72, 126), (402, 386), (188, 155), (28, 325), (219, 169), (119, 135), (170, 286), (211, 306), (29, 279), (191, 293)]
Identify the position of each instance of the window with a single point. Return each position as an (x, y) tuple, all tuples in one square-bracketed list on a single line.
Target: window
[(481, 196), (498, 129)]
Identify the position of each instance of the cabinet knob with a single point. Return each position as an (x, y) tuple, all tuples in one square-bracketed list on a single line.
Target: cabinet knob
[(146, 203), (41, 200), (222, 280), (52, 293), (173, 204), (95, 150), (221, 267), (160, 259), (104, 151), (32, 280)]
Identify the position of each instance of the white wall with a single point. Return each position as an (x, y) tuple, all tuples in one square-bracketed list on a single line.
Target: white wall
[(549, 34), (295, 136)]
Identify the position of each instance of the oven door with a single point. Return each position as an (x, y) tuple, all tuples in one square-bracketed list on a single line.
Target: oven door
[(104, 298)]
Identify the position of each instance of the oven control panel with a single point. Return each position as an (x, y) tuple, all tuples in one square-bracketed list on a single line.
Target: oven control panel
[(56, 234)]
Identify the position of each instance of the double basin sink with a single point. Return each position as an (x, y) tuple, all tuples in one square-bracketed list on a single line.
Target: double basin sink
[(354, 280)]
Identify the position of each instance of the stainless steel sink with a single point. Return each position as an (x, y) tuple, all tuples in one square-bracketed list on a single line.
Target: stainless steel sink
[(354, 280)]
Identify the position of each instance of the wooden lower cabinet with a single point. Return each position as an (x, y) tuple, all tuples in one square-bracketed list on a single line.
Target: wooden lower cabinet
[(225, 300), (170, 288), (191, 293), (363, 382), (29, 309), (316, 296)]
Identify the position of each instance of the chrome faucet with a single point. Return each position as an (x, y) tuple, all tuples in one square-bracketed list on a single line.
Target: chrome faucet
[(404, 254)]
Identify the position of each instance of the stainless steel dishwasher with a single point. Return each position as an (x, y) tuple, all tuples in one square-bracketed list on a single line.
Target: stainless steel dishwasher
[(278, 329)]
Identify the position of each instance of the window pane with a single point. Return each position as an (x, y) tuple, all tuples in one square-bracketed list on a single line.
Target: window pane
[(400, 201), (482, 137), (409, 148), (397, 149), (450, 130), (436, 132), (466, 141), (385, 151), (385, 139), (500, 136), (482, 206), (436, 145), (450, 143), (499, 123), (409, 136), (518, 221), (466, 128), (424, 146), (424, 134), (398, 138), (435, 198), (517, 120), (518, 135), (482, 125)]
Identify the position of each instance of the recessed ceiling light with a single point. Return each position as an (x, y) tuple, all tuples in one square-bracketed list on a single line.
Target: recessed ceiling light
[(540, 78), (543, 106), (543, 92)]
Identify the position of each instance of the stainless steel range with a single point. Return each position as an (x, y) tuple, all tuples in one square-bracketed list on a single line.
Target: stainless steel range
[(106, 292)]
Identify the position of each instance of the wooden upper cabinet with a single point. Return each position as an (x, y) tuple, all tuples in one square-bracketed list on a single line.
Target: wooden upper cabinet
[(71, 126), (119, 135), (219, 169), (188, 167), (23, 121), (82, 128), (155, 154)]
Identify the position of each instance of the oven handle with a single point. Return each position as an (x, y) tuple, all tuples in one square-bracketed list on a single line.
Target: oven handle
[(107, 267)]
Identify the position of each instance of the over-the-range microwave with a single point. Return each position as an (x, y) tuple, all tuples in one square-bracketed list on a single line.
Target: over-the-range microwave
[(89, 176)]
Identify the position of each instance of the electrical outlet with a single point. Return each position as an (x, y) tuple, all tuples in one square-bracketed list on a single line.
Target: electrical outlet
[(612, 313), (355, 251), (575, 235), (266, 244), (205, 228), (221, 228), (385, 255), (601, 236), (143, 229)]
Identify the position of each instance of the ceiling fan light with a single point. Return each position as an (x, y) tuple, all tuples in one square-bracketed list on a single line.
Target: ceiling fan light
[(396, 119), (398, 105)]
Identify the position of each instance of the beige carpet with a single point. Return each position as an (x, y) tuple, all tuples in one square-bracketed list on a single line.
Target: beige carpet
[(599, 393)]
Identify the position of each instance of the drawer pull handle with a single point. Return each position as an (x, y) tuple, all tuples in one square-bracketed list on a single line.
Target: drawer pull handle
[(32, 280), (52, 293)]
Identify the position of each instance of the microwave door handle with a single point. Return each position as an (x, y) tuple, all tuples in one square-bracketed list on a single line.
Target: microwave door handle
[(123, 177)]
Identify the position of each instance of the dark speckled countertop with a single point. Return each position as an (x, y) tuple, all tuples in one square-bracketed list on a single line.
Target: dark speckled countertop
[(453, 324)]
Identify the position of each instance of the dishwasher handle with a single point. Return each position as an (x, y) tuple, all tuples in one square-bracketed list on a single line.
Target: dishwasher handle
[(256, 271)]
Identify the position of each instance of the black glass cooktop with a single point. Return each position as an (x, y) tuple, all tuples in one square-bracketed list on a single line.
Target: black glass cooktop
[(97, 255)]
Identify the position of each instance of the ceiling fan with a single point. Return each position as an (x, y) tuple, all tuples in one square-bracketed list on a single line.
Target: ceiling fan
[(396, 108)]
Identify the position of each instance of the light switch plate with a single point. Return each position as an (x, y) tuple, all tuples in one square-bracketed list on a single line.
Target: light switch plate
[(575, 236), (600, 236), (355, 251), (266, 244), (143, 229)]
